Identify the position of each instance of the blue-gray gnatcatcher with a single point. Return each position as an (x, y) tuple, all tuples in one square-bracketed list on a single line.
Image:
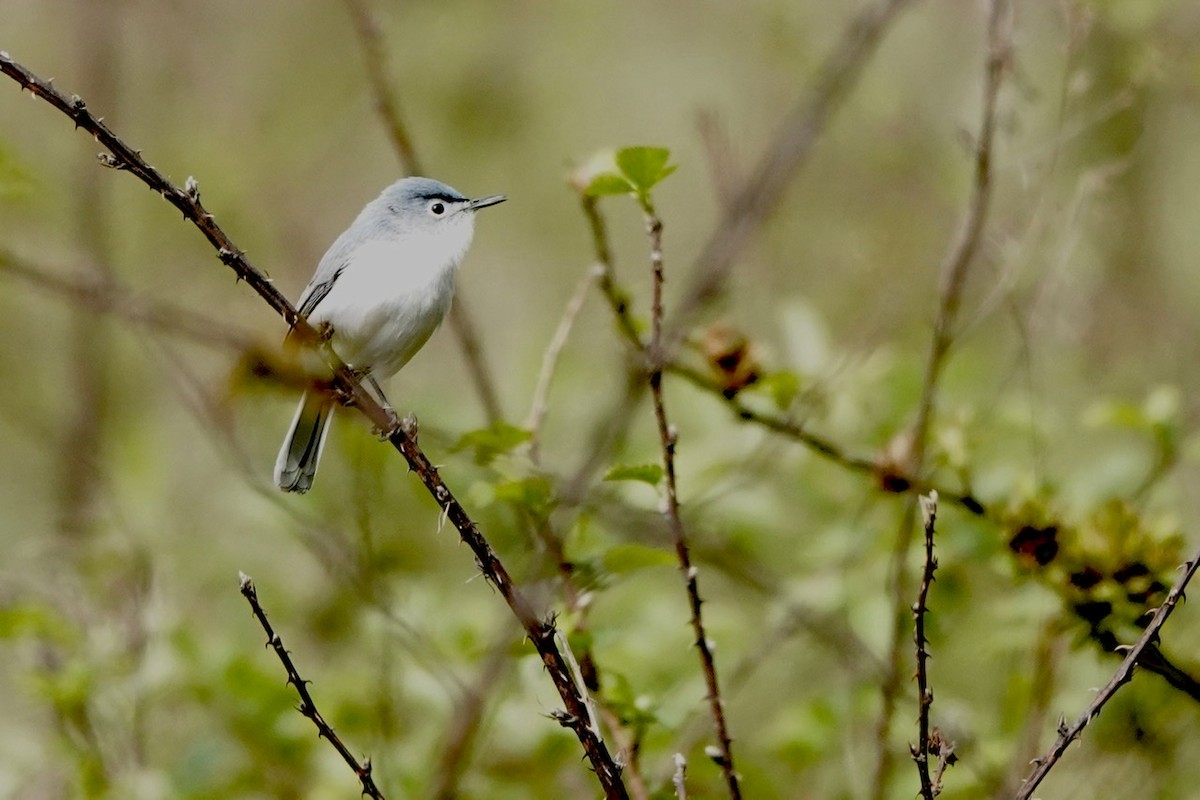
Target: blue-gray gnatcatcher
[(383, 287)]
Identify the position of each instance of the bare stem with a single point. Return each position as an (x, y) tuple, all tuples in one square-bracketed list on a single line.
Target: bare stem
[(307, 707), (959, 258), (668, 437), (762, 190), (541, 394), (541, 633), (387, 100), (679, 779), (929, 788), (1143, 647)]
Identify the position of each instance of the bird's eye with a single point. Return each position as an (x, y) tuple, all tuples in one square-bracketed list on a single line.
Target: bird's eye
[(437, 208)]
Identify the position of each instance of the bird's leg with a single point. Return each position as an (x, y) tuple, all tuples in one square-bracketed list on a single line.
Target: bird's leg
[(370, 383)]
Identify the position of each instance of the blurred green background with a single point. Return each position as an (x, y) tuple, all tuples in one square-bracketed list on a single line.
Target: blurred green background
[(135, 463)]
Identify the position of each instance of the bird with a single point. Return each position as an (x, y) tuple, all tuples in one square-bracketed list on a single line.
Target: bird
[(380, 291)]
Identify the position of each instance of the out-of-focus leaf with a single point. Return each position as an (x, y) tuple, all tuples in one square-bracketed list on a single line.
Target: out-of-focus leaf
[(488, 443), (623, 558), (646, 473), (783, 387), (608, 183), (533, 494), (30, 619)]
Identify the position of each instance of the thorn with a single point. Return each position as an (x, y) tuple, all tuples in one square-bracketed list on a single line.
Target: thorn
[(716, 754)]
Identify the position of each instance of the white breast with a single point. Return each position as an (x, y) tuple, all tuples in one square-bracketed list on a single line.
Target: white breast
[(391, 297)]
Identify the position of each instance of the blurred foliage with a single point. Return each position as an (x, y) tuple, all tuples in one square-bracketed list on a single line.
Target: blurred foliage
[(136, 455)]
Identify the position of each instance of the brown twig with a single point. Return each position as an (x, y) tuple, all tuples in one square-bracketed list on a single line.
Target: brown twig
[(920, 753), (387, 101), (959, 258), (668, 436), (541, 632), (307, 707), (897, 479), (761, 191), (1068, 734)]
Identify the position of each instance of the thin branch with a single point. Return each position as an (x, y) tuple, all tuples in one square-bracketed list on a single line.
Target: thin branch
[(387, 102), (762, 190), (954, 269), (187, 200), (679, 779), (929, 788), (618, 298), (1143, 646), (889, 478), (970, 235), (668, 436), (468, 714), (541, 394), (471, 344), (307, 707), (1043, 672), (107, 296)]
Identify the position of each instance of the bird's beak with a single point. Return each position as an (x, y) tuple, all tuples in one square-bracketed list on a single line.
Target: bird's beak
[(484, 202)]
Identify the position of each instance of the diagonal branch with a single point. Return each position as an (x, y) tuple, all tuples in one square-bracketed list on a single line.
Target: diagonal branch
[(307, 707), (1143, 647), (764, 187), (668, 436), (959, 258), (187, 200)]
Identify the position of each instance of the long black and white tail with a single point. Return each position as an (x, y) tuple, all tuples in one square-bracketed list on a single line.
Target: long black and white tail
[(296, 465)]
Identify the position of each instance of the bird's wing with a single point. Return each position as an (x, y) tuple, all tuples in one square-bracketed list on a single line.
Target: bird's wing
[(316, 290), (333, 263)]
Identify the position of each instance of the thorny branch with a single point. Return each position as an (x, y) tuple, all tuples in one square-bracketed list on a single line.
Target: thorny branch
[(541, 633), (959, 258), (928, 741), (307, 707), (1143, 646), (668, 435)]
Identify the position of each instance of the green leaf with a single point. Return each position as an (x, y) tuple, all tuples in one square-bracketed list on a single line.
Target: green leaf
[(783, 387), (488, 443), (534, 494), (644, 166), (623, 558), (608, 183), (646, 473)]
